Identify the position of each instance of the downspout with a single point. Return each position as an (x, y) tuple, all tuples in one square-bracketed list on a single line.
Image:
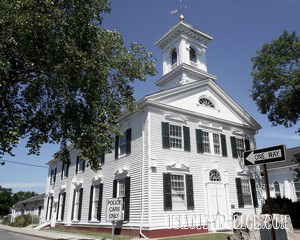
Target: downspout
[(142, 190)]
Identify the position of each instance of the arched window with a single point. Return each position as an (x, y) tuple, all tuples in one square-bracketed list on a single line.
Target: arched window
[(277, 189), (174, 57), (214, 176), (193, 57), (206, 102)]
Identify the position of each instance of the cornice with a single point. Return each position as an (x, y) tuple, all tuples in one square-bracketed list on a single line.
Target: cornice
[(184, 68), (180, 28)]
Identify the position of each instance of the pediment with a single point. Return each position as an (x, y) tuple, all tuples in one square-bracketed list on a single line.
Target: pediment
[(187, 99)]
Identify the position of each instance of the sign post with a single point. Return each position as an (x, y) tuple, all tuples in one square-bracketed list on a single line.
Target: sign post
[(265, 156), (114, 208)]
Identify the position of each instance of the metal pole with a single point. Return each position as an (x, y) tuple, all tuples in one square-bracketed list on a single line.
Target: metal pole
[(113, 230), (269, 200)]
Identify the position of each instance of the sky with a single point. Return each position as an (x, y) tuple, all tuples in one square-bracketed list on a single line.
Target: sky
[(239, 29)]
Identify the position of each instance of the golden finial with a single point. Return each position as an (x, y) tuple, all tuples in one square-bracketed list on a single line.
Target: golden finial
[(181, 18)]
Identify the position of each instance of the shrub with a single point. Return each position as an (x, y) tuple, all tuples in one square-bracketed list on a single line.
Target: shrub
[(284, 206), (22, 220), (6, 220)]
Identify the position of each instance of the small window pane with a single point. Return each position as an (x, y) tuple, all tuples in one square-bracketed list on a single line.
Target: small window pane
[(206, 102), (216, 140), (214, 175), (246, 192), (175, 136), (178, 191), (240, 147), (206, 145)]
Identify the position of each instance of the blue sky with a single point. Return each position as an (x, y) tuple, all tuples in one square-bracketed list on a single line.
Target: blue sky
[(239, 29)]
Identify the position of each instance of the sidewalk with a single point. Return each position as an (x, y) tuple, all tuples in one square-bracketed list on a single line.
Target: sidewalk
[(46, 234)]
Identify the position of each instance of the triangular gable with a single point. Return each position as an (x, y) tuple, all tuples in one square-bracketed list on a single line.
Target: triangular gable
[(187, 97)]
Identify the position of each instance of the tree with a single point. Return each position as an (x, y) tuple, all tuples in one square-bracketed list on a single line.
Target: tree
[(5, 201), (63, 79), (20, 196), (276, 80)]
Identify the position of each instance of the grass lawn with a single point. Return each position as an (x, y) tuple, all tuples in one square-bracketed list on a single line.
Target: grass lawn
[(88, 233), (209, 236)]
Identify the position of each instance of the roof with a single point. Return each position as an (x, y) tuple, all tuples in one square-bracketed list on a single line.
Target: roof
[(32, 199), (290, 159)]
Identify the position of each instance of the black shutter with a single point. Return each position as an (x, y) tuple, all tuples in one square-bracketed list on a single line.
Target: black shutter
[(233, 147), (67, 173), (91, 202), (102, 157), (47, 208), (189, 191), (224, 145), (128, 141), (117, 147), (72, 216), (62, 170), (167, 191), (55, 170), (57, 211), (51, 176), (247, 144), (83, 166), (80, 204), (63, 206), (51, 207), (186, 137), (199, 140), (165, 135), (100, 202), (115, 187), (239, 192), (254, 193), (127, 199), (77, 162)]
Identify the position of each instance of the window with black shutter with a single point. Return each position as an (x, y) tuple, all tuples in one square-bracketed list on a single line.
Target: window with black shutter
[(165, 135), (123, 144), (167, 191), (189, 191), (224, 145), (186, 137), (246, 192), (80, 165), (233, 147), (95, 202), (199, 141), (77, 204)]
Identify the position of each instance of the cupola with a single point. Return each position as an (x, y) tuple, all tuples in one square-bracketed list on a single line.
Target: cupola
[(184, 56)]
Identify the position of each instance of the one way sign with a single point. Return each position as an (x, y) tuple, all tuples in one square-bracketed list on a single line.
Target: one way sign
[(265, 155)]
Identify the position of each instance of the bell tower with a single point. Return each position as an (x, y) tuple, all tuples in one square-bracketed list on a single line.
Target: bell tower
[(184, 56)]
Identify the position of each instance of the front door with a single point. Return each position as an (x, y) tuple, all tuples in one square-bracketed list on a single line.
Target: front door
[(217, 205)]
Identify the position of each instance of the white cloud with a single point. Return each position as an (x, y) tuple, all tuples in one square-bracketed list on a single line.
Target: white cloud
[(22, 185)]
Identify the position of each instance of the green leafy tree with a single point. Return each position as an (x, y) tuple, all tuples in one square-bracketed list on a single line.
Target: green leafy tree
[(63, 79), (21, 195), (276, 81), (5, 201)]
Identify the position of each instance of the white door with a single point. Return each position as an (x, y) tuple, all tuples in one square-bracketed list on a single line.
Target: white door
[(217, 206)]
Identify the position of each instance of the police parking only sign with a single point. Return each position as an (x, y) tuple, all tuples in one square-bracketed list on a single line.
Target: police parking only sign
[(114, 209)]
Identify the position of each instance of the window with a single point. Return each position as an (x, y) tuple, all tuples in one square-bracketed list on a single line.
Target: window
[(206, 102), (240, 147), (121, 189), (277, 189), (95, 202), (206, 145), (214, 176), (216, 142), (77, 203), (61, 203), (49, 208), (178, 191), (193, 57), (174, 57), (297, 190), (65, 168), (246, 191), (175, 136), (53, 176), (122, 144), (80, 165)]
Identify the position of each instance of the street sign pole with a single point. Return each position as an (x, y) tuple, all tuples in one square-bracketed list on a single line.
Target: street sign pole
[(113, 230), (269, 204)]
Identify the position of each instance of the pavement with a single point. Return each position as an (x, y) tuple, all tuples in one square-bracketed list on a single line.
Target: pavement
[(60, 236), (46, 234)]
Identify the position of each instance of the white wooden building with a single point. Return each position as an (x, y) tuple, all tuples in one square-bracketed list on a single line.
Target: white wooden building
[(180, 155), (282, 181)]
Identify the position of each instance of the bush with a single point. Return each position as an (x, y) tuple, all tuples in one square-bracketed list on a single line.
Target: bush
[(6, 220), (22, 220), (284, 206)]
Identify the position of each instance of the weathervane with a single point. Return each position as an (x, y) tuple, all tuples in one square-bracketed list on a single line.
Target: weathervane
[(180, 9)]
